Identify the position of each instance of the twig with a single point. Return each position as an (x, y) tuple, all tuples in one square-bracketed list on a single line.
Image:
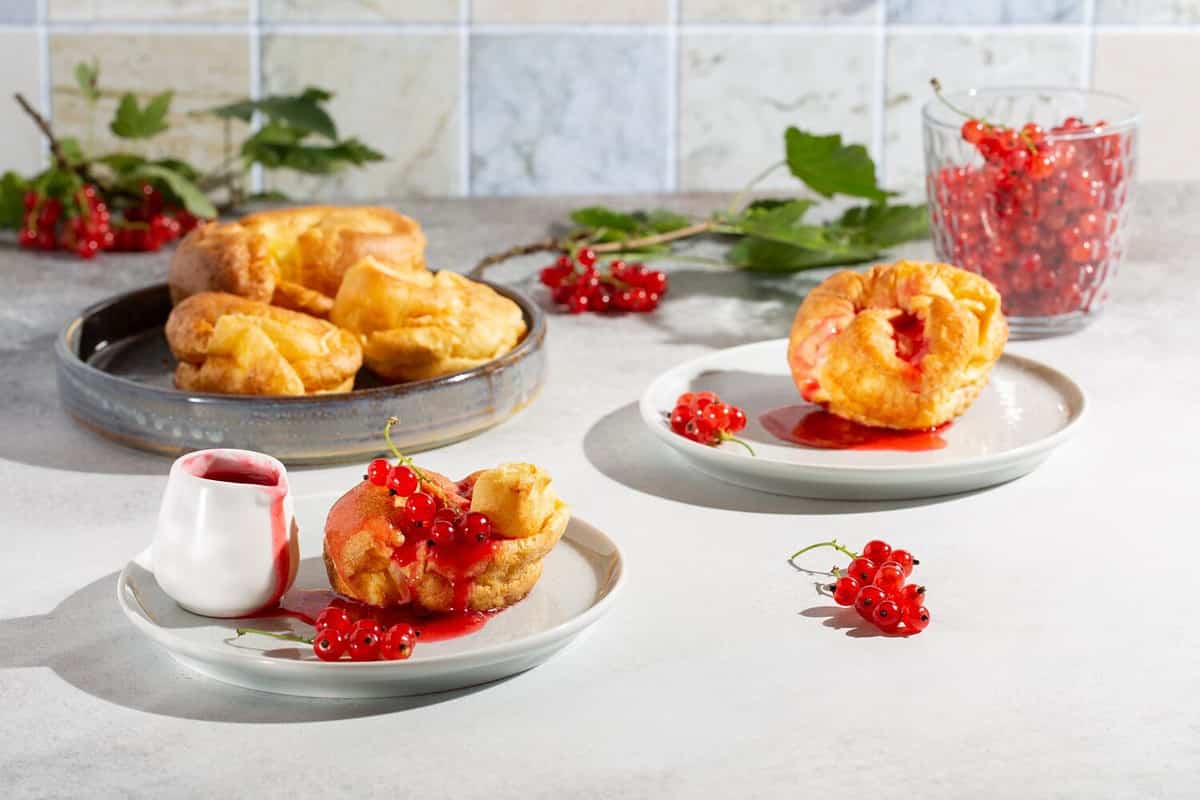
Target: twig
[(44, 126), (540, 246)]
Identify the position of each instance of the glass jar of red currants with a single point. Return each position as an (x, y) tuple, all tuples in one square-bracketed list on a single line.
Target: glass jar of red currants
[(1031, 188)]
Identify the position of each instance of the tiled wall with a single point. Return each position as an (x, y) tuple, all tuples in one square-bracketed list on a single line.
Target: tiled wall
[(522, 96)]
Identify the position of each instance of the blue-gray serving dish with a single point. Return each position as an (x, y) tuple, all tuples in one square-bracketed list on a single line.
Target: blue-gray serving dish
[(115, 377)]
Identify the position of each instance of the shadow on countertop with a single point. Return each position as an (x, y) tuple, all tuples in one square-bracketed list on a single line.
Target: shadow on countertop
[(88, 643), (619, 446)]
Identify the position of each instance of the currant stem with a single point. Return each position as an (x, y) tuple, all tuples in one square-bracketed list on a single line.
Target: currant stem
[(403, 459), (834, 543), (287, 637), (735, 205), (937, 90), (728, 437)]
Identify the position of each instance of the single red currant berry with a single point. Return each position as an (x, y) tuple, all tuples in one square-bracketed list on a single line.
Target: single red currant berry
[(442, 532), (402, 480), (845, 590), (973, 130), (686, 399), (905, 560), (397, 643), (586, 257), (915, 618), (890, 577), (333, 618), (680, 418), (887, 615), (330, 644), (862, 570), (876, 550), (911, 596), (737, 419), (717, 415), (377, 471), (579, 302), (868, 598), (364, 640), (702, 399), (1033, 133), (655, 282), (477, 526), (29, 201), (420, 508)]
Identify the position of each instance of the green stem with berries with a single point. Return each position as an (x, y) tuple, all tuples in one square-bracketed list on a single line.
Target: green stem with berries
[(1030, 145), (834, 543), (287, 637)]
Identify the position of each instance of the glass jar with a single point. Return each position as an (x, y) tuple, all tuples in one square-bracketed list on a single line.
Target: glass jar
[(1042, 212)]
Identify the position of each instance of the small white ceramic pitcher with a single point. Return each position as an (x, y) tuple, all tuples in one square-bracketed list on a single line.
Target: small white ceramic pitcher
[(226, 544)]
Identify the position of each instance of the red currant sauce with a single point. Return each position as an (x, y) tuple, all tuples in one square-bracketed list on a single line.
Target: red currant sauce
[(304, 605), (813, 426)]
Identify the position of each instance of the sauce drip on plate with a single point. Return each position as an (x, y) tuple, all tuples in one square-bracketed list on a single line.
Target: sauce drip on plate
[(813, 426), (304, 605)]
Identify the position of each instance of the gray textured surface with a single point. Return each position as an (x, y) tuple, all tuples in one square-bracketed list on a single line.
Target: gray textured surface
[(1062, 660)]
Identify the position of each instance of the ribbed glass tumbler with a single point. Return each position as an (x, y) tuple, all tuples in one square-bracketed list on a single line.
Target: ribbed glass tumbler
[(1036, 198)]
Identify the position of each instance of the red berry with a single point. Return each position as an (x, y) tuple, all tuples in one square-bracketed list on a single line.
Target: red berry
[(29, 201), (717, 415), (890, 577), (477, 525), (364, 640), (685, 399), (1033, 133), (737, 419), (586, 257), (333, 618), (868, 598), (602, 297), (27, 238), (862, 570), (397, 643), (564, 263), (655, 282), (911, 596), (45, 240), (905, 560), (845, 590), (680, 418), (442, 532), (554, 276), (402, 480), (702, 399), (330, 644), (579, 302), (915, 618), (887, 615), (876, 550), (973, 130), (420, 508), (377, 471)]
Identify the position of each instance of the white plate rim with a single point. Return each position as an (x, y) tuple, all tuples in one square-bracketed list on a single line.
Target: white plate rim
[(136, 613), (653, 419)]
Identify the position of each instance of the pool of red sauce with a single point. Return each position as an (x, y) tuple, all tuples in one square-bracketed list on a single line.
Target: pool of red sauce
[(813, 426), (305, 604)]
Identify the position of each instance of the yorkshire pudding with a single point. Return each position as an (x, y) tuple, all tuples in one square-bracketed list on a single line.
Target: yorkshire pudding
[(232, 345), (906, 345), (293, 257), (372, 556), (417, 325)]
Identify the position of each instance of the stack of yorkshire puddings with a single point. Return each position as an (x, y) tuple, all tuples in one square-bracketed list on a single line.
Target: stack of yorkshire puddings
[(295, 301)]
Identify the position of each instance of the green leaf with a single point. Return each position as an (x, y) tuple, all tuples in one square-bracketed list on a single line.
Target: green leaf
[(764, 255), (660, 220), (71, 149), (784, 224), (603, 217), (135, 122), (186, 192), (270, 196), (828, 167), (887, 225), (87, 76), (302, 111), (121, 163), (306, 158), (12, 199)]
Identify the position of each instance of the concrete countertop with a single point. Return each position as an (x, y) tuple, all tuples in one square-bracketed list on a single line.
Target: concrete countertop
[(1063, 659)]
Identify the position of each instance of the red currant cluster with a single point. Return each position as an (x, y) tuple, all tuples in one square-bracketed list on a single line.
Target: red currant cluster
[(577, 284), (363, 639), (874, 583), (85, 226), (1039, 218), (425, 516), (703, 418)]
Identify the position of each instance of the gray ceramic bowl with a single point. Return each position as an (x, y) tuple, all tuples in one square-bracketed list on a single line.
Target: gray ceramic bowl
[(114, 377)]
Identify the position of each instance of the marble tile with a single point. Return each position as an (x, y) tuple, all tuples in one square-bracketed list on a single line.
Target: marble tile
[(21, 145), (568, 113), (149, 10), (983, 12), (739, 91), (842, 12), (1154, 12), (1135, 65), (203, 69), (569, 11), (399, 93), (962, 61), (361, 10), (17, 12)]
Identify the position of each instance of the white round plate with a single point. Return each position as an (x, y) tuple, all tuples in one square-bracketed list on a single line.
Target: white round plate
[(1026, 411), (582, 576)]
